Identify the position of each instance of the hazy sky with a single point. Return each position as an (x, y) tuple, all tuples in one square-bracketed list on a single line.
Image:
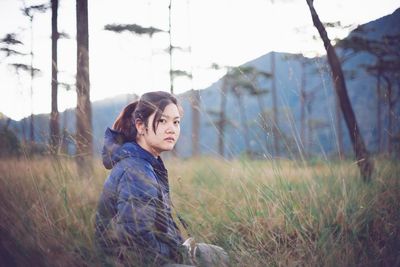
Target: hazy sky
[(227, 32)]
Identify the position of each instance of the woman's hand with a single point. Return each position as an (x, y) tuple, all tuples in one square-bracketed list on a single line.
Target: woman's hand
[(187, 250)]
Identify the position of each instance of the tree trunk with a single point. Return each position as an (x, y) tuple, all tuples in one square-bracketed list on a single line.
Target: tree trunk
[(378, 114), (390, 111), (23, 129), (339, 131), (171, 77), (303, 107), (396, 118), (32, 128), (275, 122), (243, 119), (362, 155), (84, 136), (32, 74), (310, 130), (64, 136), (195, 122), (54, 116), (263, 119), (390, 121), (222, 119)]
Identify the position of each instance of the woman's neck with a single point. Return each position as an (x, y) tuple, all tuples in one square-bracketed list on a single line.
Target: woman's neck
[(143, 144)]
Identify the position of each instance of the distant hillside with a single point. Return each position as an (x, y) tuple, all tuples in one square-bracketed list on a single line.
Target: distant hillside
[(361, 90), (321, 111)]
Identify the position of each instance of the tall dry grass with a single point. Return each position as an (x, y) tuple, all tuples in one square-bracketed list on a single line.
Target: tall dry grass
[(283, 213), (264, 213)]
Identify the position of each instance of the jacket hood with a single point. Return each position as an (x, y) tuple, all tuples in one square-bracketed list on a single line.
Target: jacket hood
[(115, 149)]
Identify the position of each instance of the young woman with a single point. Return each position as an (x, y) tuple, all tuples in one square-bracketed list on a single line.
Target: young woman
[(134, 210)]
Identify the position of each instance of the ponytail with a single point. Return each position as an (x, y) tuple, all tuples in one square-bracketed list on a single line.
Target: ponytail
[(125, 122)]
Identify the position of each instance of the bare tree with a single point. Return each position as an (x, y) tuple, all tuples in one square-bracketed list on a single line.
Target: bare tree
[(195, 106), (132, 28), (84, 138), (170, 48), (239, 78), (391, 99), (9, 47), (338, 113), (275, 120), (303, 97), (30, 12), (391, 103), (196, 99), (54, 116), (238, 92), (8, 43), (27, 69), (221, 120), (250, 83), (385, 68), (361, 153)]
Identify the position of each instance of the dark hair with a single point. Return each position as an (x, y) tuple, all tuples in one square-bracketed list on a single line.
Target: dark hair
[(142, 109)]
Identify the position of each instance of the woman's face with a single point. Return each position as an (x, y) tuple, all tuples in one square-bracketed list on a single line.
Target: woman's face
[(167, 131)]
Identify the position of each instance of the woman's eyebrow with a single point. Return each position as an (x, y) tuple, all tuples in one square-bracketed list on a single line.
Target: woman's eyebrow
[(166, 116)]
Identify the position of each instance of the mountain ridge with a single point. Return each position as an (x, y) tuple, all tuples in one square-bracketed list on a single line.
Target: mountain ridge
[(288, 79)]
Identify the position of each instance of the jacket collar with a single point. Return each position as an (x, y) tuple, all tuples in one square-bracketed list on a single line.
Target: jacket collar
[(115, 150)]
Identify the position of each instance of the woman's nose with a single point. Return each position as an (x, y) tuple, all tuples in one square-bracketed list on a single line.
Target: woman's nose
[(171, 128)]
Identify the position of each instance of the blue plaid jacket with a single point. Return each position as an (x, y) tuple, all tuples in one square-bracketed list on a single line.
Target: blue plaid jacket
[(134, 209)]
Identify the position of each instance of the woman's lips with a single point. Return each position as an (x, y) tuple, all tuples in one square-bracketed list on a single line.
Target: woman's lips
[(169, 139)]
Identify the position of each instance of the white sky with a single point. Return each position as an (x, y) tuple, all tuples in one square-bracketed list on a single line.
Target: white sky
[(227, 32)]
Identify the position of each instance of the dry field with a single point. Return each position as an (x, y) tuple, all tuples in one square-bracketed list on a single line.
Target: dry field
[(264, 213)]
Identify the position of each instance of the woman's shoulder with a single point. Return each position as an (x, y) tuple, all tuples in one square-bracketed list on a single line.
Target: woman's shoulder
[(139, 173), (135, 163), (137, 167)]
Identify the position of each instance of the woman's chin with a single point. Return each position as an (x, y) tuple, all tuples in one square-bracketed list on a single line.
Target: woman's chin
[(168, 147)]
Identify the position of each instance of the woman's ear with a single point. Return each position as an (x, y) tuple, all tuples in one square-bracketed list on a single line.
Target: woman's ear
[(140, 127)]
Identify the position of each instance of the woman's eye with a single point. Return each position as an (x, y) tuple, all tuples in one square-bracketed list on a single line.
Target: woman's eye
[(162, 120), (177, 122)]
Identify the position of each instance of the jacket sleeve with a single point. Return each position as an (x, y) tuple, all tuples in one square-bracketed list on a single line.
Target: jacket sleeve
[(137, 212)]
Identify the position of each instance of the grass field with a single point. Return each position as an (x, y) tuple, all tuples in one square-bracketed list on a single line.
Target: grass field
[(264, 213)]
